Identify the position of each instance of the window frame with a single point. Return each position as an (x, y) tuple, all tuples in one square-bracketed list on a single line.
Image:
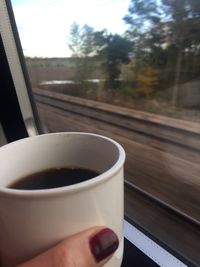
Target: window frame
[(18, 72)]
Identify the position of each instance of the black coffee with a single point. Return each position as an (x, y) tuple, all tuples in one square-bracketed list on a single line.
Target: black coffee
[(53, 178)]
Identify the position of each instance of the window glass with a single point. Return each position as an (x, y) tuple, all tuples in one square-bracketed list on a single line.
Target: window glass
[(130, 70)]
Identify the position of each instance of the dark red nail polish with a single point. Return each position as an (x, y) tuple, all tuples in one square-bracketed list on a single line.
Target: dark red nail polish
[(103, 244)]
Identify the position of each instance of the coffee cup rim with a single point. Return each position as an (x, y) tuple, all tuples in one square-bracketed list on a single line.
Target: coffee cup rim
[(101, 178)]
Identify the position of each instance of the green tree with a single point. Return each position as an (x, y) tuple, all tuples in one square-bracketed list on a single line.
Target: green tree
[(166, 36), (81, 40), (75, 40), (113, 50), (144, 30), (183, 34), (81, 43)]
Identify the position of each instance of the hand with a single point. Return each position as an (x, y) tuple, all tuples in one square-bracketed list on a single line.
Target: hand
[(90, 248)]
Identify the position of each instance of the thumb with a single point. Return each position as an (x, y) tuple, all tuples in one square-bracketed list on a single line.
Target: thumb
[(90, 248)]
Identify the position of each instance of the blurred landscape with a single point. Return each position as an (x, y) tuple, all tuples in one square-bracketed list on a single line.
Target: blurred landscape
[(153, 66), (59, 75)]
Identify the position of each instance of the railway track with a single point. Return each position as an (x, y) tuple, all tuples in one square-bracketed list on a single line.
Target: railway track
[(162, 166), (181, 133), (162, 203)]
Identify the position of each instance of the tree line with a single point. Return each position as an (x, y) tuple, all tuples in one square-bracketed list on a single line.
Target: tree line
[(161, 46)]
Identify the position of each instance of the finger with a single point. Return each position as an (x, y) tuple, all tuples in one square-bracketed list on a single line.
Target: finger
[(90, 248)]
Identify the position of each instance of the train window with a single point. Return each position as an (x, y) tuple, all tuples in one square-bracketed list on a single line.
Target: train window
[(130, 70)]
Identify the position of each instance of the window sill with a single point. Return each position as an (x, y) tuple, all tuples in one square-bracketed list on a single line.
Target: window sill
[(140, 250)]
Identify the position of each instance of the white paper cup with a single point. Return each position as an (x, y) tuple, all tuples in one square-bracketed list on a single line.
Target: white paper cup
[(31, 221)]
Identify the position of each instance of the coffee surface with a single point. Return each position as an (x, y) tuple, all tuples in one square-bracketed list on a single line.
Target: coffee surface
[(52, 178)]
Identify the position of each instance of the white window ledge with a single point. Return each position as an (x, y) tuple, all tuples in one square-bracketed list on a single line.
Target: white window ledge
[(150, 248)]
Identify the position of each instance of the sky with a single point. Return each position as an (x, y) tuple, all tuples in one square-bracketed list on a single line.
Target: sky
[(44, 25)]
